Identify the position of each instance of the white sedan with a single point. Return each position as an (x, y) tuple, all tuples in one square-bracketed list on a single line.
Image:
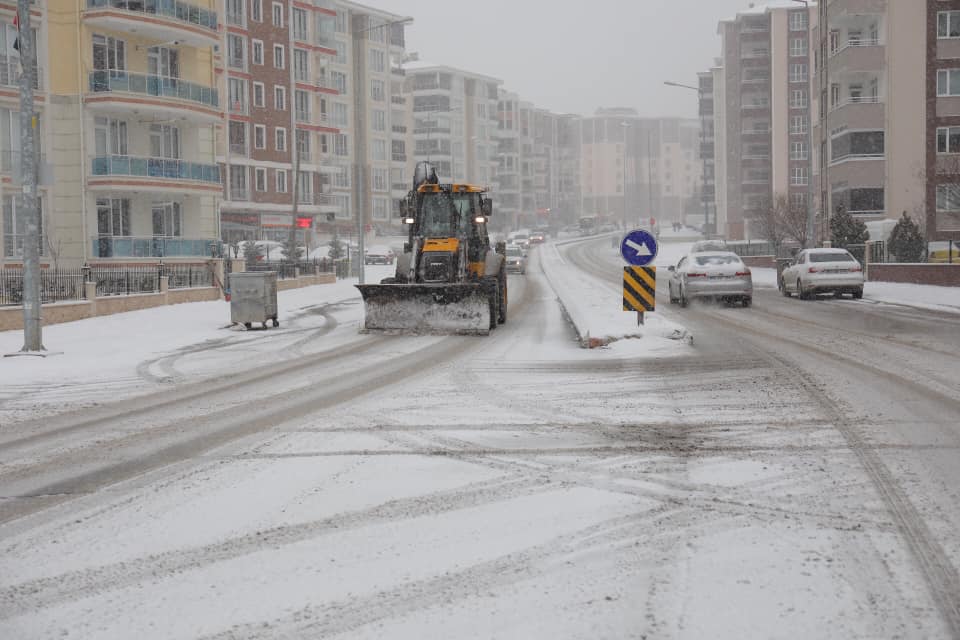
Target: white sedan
[(720, 275), (815, 271)]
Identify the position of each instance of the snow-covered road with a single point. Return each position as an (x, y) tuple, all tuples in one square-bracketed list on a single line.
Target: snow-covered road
[(791, 474)]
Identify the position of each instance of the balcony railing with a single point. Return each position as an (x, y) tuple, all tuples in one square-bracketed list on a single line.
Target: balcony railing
[(152, 247), (10, 74), (167, 168), (398, 100), (182, 11), (399, 128), (150, 85), (239, 193), (239, 108), (399, 157), (303, 115)]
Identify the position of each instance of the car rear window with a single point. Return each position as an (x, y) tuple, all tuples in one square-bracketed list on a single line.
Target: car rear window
[(716, 260), (833, 256), (514, 251)]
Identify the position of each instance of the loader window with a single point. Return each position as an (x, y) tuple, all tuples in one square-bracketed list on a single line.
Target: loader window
[(438, 216)]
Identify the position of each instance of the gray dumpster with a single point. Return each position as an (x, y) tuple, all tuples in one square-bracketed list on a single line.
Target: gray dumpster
[(253, 298)]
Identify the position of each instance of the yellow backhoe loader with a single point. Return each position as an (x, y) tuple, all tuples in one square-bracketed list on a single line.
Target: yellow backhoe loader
[(448, 278)]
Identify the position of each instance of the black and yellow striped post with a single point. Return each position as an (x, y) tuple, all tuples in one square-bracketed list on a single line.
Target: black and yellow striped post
[(639, 290)]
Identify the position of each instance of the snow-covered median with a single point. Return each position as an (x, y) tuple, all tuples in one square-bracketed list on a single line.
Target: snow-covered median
[(595, 309)]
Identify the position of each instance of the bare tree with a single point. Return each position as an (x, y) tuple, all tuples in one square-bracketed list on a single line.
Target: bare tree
[(771, 221), (795, 222)]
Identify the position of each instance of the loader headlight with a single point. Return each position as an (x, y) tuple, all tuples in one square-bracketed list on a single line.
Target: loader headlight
[(479, 219), (408, 221)]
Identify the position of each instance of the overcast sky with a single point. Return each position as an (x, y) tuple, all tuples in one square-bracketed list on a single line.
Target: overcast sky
[(575, 56)]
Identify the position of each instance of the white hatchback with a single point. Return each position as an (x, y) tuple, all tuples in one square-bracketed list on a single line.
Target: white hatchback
[(815, 271)]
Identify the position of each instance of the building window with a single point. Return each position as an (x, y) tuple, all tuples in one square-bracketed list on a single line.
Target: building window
[(948, 24), (379, 148), (237, 90), (798, 20), (238, 183), (301, 65), (798, 125), (258, 99), (948, 139), (798, 47), (236, 52), (798, 150), (378, 60), (948, 82), (113, 216), (280, 98), (260, 180), (342, 203), (798, 176), (257, 51), (259, 136), (299, 24), (167, 219), (798, 99), (948, 197), (380, 179), (378, 120), (340, 115), (376, 90), (235, 12), (798, 201), (341, 52), (341, 179), (340, 144), (381, 208), (301, 105), (303, 144), (862, 144), (280, 138), (256, 10), (165, 141), (277, 14), (279, 59), (341, 21), (339, 81), (798, 72), (281, 180)]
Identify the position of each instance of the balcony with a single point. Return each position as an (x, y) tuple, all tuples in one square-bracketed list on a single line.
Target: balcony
[(398, 100), (10, 74), (398, 128), (151, 247), (122, 92), (239, 193), (153, 174), (860, 112), (859, 55), (162, 20)]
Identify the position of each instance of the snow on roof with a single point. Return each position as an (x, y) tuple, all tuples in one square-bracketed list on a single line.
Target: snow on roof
[(422, 65), (759, 7)]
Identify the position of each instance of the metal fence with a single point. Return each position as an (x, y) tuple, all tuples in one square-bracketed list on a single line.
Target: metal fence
[(114, 281), (185, 276), (287, 270), (748, 250), (58, 285)]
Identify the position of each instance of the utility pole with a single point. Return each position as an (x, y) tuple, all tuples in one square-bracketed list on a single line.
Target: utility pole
[(32, 325)]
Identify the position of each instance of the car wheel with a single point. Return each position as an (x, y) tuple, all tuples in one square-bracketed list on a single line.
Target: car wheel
[(747, 302), (673, 299), (783, 288), (801, 293), (683, 298), (858, 293)]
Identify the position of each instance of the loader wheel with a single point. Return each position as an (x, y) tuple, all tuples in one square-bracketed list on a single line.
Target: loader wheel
[(389, 281), (502, 311), (493, 299)]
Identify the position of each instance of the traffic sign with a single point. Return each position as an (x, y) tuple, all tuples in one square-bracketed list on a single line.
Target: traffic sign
[(639, 289), (638, 248)]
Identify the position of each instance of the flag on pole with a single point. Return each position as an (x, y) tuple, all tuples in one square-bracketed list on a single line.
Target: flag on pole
[(16, 25)]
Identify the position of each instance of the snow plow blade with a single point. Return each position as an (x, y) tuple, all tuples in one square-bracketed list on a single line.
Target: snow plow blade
[(427, 308)]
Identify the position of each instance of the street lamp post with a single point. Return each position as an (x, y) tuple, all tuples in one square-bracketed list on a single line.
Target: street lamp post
[(811, 215), (707, 225), (362, 172), (625, 126)]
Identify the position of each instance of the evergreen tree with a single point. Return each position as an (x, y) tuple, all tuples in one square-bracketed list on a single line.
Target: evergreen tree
[(252, 253), (845, 230), (291, 251), (906, 241), (336, 247)]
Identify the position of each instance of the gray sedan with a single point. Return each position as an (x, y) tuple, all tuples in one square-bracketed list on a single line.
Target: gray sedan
[(719, 275)]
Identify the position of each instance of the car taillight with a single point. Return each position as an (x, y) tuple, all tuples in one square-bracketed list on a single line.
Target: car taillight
[(696, 275), (741, 274), (856, 268), (813, 270)]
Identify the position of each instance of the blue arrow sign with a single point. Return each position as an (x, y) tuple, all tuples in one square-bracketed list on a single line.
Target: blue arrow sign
[(638, 248)]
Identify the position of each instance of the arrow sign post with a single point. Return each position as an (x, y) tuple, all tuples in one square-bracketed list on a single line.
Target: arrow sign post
[(639, 248)]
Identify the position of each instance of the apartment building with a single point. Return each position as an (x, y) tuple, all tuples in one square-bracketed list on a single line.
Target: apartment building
[(513, 138), (707, 155), (12, 225), (131, 106), (556, 167), (888, 100), (454, 121), (765, 81), (312, 114), (639, 168)]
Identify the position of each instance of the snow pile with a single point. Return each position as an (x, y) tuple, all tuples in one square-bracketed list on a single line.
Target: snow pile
[(595, 309)]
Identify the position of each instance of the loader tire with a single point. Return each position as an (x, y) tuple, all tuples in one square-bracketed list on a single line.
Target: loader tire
[(389, 281), (502, 311), (492, 286)]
